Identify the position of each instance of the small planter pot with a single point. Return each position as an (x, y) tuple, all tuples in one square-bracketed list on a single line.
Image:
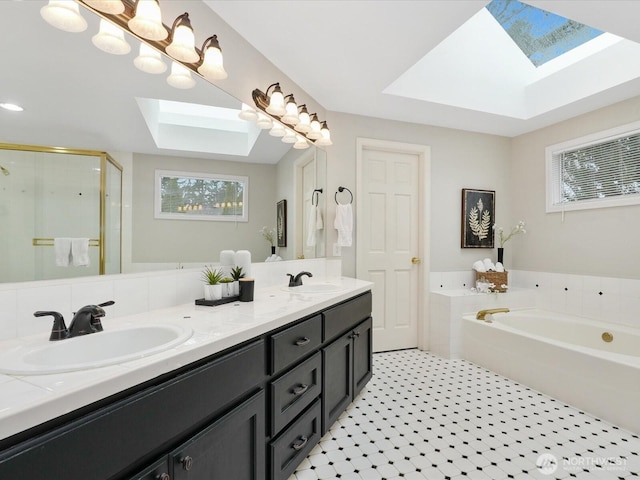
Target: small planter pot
[(213, 292), (235, 287), (227, 289)]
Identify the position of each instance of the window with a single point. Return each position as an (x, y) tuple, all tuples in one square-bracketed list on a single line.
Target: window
[(201, 196), (602, 170)]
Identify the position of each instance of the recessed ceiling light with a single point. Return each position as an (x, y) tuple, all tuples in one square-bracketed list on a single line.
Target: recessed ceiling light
[(11, 107)]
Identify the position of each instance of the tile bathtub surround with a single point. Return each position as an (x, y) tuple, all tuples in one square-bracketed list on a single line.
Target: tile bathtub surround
[(424, 417)]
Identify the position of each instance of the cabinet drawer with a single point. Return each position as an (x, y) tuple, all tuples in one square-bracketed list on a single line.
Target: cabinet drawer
[(295, 443), (295, 342), (291, 393), (342, 317)]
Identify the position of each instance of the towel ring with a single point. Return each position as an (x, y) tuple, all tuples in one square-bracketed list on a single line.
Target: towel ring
[(342, 189), (315, 196)]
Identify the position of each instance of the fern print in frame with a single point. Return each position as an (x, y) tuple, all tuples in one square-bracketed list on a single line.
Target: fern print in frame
[(478, 218)]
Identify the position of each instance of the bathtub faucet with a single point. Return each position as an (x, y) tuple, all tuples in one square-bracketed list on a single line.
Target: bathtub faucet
[(482, 313)]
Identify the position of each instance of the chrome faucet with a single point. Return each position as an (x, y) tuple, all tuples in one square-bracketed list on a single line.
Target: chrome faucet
[(297, 280), (483, 313), (85, 321)]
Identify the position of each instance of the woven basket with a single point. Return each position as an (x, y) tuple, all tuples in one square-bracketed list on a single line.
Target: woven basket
[(497, 278)]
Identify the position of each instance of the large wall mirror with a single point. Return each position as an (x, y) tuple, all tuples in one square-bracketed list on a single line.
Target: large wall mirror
[(76, 96)]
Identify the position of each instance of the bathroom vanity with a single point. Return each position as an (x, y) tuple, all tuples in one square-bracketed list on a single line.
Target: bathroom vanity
[(252, 407)]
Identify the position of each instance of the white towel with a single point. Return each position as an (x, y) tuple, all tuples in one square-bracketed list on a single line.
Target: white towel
[(311, 226), (80, 252), (62, 251), (344, 224)]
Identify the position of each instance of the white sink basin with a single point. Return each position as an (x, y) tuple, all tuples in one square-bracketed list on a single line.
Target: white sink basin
[(109, 347), (315, 288)]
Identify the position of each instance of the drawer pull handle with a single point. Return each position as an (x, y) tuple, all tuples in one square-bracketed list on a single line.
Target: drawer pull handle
[(302, 341), (187, 462), (163, 476), (300, 445), (301, 389)]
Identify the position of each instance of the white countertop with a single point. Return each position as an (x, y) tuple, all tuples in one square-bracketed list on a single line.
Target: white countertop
[(27, 401)]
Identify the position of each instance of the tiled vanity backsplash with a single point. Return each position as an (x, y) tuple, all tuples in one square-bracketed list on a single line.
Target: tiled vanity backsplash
[(133, 293), (615, 300)]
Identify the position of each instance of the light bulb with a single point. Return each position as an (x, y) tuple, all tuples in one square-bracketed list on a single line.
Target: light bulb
[(113, 7), (301, 143), (147, 21), (314, 133), (291, 112), (65, 15), (182, 46), (212, 62), (276, 102), (304, 123), (289, 136), (247, 113), (325, 139), (110, 39), (277, 130), (263, 121), (180, 77)]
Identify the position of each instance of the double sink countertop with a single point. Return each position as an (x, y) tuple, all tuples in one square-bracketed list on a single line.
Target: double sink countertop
[(29, 400)]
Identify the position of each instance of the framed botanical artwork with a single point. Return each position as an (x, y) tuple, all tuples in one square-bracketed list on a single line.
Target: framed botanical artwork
[(281, 223), (478, 218)]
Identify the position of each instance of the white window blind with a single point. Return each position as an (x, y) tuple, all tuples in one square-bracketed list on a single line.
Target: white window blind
[(601, 173)]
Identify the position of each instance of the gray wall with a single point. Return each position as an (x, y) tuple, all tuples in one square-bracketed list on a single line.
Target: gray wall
[(589, 242), (159, 241)]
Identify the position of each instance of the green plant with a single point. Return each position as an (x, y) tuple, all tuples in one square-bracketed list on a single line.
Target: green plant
[(212, 276), (237, 273)]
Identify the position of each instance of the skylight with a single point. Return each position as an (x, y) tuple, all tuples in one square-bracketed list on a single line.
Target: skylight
[(541, 35)]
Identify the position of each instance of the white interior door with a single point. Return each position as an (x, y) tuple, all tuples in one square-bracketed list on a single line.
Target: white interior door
[(389, 239)]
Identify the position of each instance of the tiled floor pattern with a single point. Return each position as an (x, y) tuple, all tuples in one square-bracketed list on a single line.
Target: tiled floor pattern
[(424, 417)]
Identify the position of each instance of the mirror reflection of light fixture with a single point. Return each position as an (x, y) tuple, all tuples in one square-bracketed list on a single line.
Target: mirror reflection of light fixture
[(304, 120), (277, 130), (263, 121), (276, 101), (182, 46), (110, 39), (147, 20), (325, 139), (291, 111), (301, 143), (65, 15), (247, 113), (212, 67), (315, 133), (180, 77), (289, 136), (149, 60), (113, 7)]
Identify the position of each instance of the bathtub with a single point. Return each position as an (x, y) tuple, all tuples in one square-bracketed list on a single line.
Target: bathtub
[(594, 366)]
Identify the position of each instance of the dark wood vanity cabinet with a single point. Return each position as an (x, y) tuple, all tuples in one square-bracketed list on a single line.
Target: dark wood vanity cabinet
[(252, 412)]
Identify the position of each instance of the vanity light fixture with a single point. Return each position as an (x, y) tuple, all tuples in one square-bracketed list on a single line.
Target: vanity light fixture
[(325, 139), (291, 111), (276, 101), (182, 46), (211, 66), (301, 143), (247, 113), (315, 133), (147, 20), (289, 136), (304, 120), (180, 77), (65, 15), (113, 7), (149, 60), (110, 39)]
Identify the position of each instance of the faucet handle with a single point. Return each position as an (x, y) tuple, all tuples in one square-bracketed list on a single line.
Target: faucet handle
[(59, 330), (106, 304)]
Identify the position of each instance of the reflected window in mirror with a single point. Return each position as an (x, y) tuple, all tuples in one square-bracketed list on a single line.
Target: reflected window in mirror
[(201, 196)]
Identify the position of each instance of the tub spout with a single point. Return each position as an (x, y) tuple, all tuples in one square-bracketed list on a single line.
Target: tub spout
[(482, 313)]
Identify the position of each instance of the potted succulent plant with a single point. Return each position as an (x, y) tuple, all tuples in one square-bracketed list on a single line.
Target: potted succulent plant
[(236, 275), (227, 287), (212, 287)]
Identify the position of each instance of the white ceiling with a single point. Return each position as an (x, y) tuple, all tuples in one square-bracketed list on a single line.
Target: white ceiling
[(348, 54)]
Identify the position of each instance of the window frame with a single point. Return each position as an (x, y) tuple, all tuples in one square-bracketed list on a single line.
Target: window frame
[(554, 181), (159, 214)]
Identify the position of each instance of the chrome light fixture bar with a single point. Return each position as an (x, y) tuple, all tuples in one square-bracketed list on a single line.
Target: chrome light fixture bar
[(303, 128), (143, 20)]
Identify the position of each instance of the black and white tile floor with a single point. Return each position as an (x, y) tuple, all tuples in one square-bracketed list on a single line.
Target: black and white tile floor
[(424, 417)]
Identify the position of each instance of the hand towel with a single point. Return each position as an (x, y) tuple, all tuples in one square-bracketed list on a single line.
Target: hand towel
[(62, 251), (312, 225), (479, 266), (80, 252), (344, 224), (319, 220)]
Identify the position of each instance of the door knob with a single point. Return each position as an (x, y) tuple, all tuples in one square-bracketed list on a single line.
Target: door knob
[(416, 261)]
